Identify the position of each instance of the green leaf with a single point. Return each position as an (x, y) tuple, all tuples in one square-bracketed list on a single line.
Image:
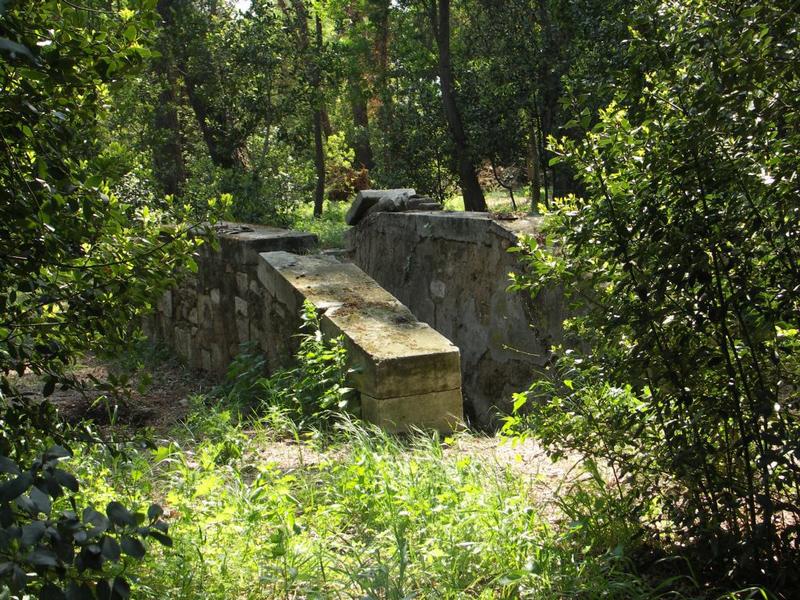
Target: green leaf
[(15, 49), (121, 588), (41, 500), (49, 387), (76, 591), (133, 547), (51, 592), (119, 515), (42, 558), (103, 590), (164, 540), (56, 452), (32, 533), (110, 549), (154, 512), (65, 479), (8, 466), (16, 487), (96, 520)]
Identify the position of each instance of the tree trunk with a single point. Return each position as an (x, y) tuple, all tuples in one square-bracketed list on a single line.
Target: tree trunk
[(169, 168), (226, 145), (470, 188), (319, 117), (319, 164), (384, 96), (168, 165), (534, 166), (361, 144), (321, 122)]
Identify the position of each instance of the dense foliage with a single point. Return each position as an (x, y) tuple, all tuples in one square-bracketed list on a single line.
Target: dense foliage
[(662, 138), (262, 99), (82, 253), (683, 260)]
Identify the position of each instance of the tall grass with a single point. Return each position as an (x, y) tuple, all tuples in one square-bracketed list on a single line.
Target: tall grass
[(367, 516)]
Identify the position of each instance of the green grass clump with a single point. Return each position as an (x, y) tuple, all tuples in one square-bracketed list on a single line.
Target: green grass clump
[(329, 228), (369, 516)]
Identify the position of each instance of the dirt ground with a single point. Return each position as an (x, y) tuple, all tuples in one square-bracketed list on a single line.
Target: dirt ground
[(163, 401), (157, 404)]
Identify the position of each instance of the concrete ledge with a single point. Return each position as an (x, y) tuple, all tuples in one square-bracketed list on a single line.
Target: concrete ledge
[(241, 242), (438, 410), (394, 355)]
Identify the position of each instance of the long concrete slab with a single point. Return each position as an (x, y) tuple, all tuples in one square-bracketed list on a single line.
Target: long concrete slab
[(408, 374)]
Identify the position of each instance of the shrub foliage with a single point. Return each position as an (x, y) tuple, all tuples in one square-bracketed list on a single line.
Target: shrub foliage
[(683, 259)]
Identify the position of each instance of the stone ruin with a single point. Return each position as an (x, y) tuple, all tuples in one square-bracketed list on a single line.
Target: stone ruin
[(419, 298)]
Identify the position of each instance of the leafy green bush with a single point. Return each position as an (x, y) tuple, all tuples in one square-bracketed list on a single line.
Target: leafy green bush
[(78, 266), (68, 554), (312, 392), (683, 260)]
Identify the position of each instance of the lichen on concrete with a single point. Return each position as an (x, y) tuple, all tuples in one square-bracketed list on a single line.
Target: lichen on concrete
[(408, 374)]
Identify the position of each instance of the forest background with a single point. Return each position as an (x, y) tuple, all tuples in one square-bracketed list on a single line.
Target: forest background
[(659, 138)]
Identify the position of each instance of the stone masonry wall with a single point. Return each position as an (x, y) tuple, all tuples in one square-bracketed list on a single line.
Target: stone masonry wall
[(211, 314), (451, 270), (251, 288)]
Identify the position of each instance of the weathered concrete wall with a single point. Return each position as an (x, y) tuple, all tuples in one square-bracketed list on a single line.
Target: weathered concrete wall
[(452, 271), (207, 318), (407, 373)]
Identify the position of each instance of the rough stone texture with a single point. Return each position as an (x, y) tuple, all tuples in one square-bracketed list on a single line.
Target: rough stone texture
[(211, 314), (368, 202), (437, 410), (407, 373), (451, 270), (367, 199)]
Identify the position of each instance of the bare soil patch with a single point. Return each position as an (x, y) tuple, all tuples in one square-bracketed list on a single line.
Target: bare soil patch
[(156, 396)]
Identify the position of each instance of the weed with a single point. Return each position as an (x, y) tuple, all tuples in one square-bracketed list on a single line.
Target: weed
[(372, 516)]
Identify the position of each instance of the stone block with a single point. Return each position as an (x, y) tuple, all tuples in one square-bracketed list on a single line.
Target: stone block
[(366, 199), (205, 308), (240, 244), (215, 296), (183, 343), (242, 329), (240, 306), (242, 281), (392, 353), (436, 410), (165, 304), (205, 360), (219, 358)]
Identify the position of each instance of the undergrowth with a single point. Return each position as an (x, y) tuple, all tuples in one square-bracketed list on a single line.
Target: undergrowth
[(371, 516), (330, 227), (269, 495)]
